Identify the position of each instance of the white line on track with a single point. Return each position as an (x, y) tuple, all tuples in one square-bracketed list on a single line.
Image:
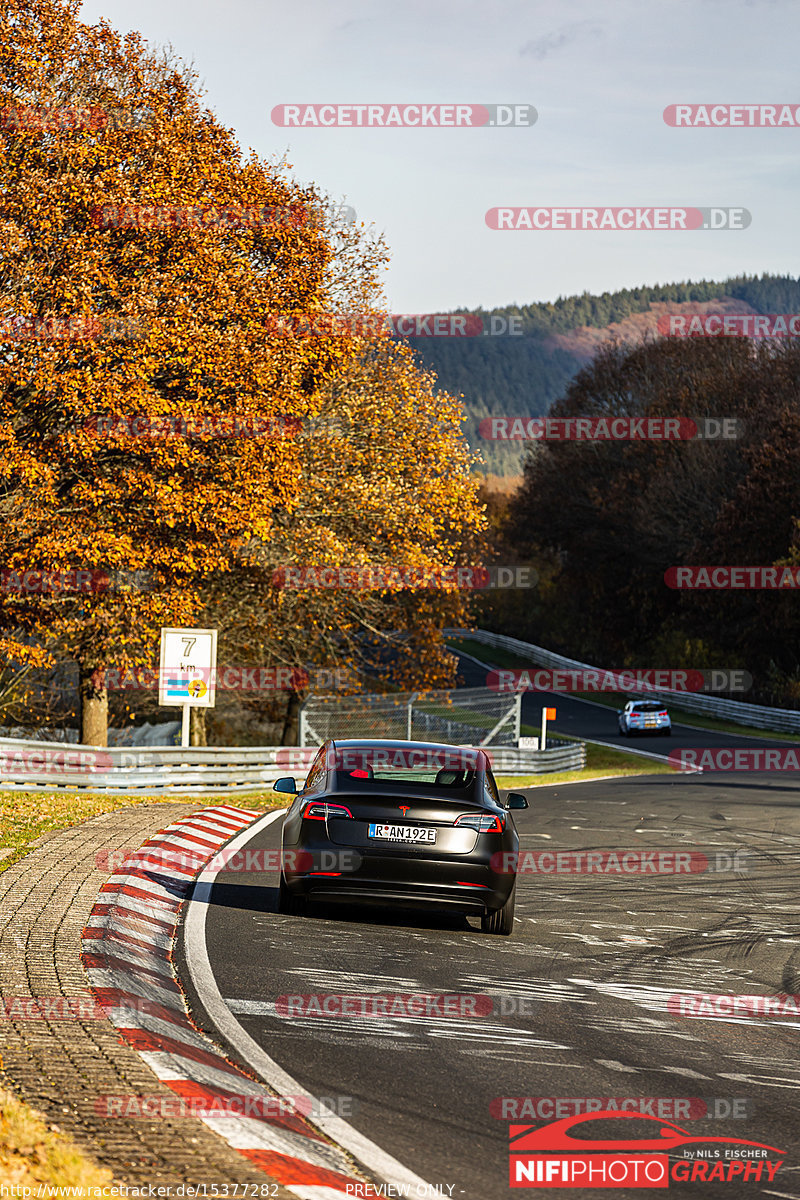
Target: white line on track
[(364, 1151)]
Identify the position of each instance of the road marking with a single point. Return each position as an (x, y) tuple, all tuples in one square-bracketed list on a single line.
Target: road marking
[(613, 1065), (684, 1071), (366, 1152)]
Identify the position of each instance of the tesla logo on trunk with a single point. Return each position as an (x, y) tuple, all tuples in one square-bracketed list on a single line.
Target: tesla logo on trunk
[(403, 809)]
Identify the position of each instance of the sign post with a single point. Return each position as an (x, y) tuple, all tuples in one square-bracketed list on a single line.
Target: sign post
[(548, 714), (186, 673)]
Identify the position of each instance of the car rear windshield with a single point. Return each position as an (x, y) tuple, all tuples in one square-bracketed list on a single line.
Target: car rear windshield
[(651, 707), (444, 779), (449, 769)]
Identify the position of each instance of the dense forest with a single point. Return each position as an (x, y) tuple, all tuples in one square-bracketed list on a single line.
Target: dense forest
[(603, 522), (524, 375)]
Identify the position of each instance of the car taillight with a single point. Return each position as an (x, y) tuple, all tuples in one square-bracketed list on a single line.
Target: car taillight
[(483, 824), (316, 811), (662, 714)]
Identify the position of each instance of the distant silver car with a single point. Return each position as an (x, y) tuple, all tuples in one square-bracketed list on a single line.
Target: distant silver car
[(644, 716)]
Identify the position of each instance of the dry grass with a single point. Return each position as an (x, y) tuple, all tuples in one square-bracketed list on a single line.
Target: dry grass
[(25, 817), (32, 1152)]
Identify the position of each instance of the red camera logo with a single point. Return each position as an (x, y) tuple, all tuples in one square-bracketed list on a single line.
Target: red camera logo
[(555, 1156)]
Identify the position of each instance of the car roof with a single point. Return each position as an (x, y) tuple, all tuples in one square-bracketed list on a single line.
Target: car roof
[(481, 757), (338, 780), (392, 743)]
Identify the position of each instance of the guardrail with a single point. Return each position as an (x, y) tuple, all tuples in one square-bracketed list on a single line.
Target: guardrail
[(507, 760), (783, 720), (173, 770)]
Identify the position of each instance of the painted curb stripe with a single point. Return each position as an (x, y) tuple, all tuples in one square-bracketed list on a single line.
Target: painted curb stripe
[(291, 1170), (127, 949), (187, 1089), (128, 913)]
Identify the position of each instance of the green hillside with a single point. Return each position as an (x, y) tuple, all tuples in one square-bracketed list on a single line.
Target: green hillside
[(524, 375)]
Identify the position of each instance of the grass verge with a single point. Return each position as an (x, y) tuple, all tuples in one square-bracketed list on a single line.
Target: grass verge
[(600, 763), (504, 658), (33, 1153), (27, 817)]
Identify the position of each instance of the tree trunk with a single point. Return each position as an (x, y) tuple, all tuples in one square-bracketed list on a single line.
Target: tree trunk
[(93, 707), (197, 727), (291, 722)]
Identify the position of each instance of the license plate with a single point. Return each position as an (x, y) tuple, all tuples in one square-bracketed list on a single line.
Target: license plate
[(401, 833)]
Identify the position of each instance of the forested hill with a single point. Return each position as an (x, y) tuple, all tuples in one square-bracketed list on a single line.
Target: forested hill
[(523, 375)]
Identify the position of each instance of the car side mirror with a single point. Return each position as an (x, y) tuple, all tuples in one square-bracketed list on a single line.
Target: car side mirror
[(287, 784), (516, 800)]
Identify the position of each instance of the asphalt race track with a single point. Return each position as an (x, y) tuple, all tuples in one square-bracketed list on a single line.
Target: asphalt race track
[(586, 995), (598, 722)]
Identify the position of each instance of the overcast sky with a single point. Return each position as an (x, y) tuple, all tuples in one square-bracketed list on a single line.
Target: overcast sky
[(599, 75)]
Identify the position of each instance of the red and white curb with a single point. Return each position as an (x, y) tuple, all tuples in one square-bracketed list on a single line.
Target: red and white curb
[(127, 953)]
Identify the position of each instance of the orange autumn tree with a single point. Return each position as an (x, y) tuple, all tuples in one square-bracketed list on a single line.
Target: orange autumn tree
[(102, 322), (386, 483)]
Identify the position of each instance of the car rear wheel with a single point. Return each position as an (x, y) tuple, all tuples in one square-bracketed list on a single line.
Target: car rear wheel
[(501, 921), (291, 906)]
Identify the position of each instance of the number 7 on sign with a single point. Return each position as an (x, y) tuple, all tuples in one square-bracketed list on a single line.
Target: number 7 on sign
[(188, 644)]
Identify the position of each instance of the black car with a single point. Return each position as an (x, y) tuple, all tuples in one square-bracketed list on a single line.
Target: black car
[(412, 823)]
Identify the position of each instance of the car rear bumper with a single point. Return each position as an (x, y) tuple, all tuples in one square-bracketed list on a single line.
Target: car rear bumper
[(469, 886), (378, 893)]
